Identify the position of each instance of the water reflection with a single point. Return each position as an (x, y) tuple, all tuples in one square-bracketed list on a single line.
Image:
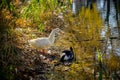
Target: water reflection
[(110, 13), (74, 8)]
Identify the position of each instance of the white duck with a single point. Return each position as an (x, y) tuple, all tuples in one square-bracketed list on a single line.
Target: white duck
[(44, 42)]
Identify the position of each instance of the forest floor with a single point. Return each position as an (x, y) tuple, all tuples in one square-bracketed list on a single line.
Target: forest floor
[(35, 64)]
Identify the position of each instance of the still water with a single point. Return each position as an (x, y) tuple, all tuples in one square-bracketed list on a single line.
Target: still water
[(110, 13)]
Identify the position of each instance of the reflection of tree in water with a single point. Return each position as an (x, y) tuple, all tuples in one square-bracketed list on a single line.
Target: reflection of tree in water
[(111, 16), (107, 5)]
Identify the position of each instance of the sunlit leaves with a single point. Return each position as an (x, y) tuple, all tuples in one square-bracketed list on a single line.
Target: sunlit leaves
[(23, 22), (7, 14), (40, 27), (34, 8), (38, 12)]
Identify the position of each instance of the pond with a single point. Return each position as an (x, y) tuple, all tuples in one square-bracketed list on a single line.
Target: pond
[(110, 13)]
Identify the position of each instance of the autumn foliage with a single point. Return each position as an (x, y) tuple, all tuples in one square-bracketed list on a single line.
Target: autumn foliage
[(21, 20)]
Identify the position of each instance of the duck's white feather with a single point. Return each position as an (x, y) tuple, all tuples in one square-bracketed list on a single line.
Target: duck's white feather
[(40, 42), (44, 42)]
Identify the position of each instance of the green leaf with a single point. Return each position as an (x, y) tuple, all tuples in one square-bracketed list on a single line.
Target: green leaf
[(11, 7), (40, 27), (11, 67)]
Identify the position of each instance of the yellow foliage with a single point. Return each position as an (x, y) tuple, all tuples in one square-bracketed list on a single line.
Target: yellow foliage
[(114, 62), (22, 22)]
